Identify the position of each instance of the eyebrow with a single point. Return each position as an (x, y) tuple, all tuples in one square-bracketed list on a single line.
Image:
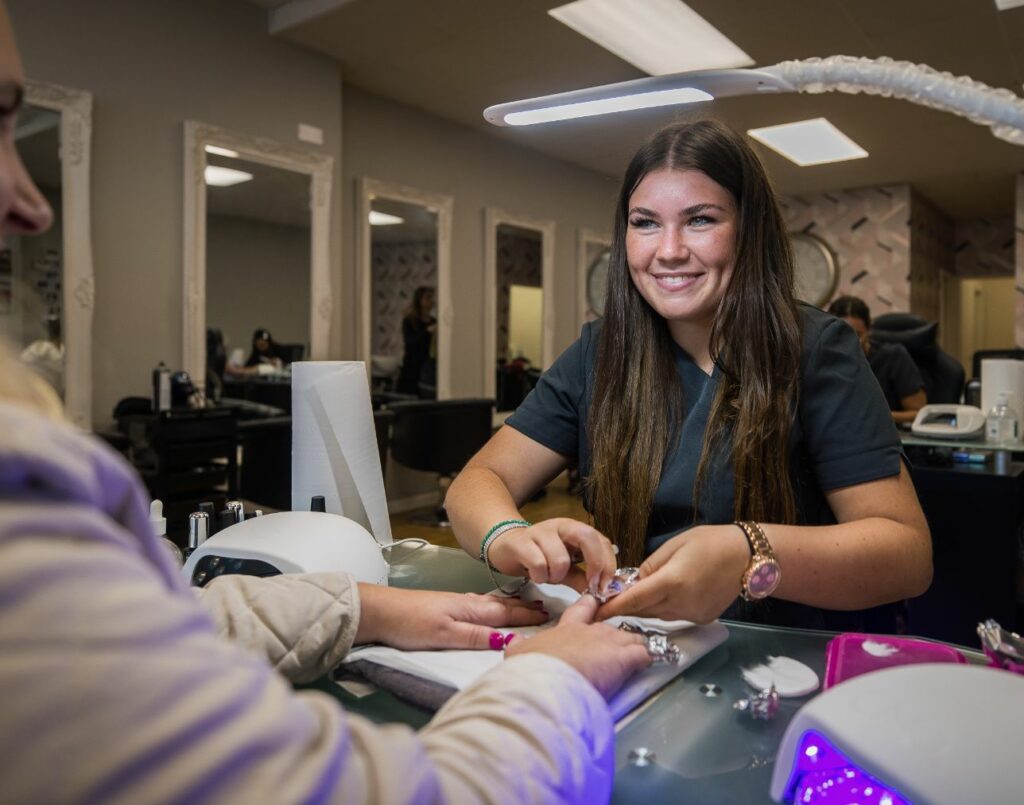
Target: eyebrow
[(12, 95), (692, 210)]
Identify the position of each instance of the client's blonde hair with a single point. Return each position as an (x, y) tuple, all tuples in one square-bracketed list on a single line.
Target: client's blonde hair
[(22, 386)]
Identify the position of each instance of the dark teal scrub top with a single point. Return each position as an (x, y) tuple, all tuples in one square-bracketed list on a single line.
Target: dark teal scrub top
[(843, 435)]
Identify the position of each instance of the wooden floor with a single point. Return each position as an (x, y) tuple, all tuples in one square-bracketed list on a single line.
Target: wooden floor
[(556, 503)]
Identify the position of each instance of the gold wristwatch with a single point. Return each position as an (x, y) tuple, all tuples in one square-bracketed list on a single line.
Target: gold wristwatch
[(763, 574)]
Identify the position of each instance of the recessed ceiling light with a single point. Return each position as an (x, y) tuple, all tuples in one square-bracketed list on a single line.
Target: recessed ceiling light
[(224, 152), (809, 142), (225, 177), (658, 36), (383, 219), (1002, 5)]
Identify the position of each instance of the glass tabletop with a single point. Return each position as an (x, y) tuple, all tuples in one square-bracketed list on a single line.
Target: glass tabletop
[(977, 443), (698, 747)]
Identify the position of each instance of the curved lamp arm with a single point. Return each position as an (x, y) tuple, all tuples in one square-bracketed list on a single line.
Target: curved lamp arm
[(999, 109)]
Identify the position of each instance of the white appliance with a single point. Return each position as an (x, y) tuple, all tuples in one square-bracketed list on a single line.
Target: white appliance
[(949, 422), (998, 376), (289, 542), (932, 733)]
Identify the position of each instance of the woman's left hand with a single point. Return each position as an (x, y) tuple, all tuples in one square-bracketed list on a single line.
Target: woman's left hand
[(694, 576), (423, 619)]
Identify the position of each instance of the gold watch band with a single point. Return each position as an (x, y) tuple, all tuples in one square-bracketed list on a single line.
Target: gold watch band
[(756, 538)]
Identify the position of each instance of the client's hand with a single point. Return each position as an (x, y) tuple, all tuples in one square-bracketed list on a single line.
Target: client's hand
[(694, 576), (547, 552), (424, 619), (607, 657)]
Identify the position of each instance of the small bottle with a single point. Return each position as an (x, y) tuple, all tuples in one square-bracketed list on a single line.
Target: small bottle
[(159, 524), (1001, 424), (161, 388)]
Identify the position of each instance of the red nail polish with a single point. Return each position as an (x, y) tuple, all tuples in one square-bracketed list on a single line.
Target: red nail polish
[(496, 640), (509, 638)]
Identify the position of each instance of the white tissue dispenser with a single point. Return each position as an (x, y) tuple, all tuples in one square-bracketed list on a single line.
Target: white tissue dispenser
[(289, 542), (930, 733)]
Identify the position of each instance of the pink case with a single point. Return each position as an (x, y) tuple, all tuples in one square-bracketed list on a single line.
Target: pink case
[(850, 655)]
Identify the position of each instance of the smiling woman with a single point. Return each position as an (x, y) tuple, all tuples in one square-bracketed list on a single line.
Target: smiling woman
[(726, 435)]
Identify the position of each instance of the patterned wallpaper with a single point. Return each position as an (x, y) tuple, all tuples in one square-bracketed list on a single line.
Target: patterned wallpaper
[(931, 253), (398, 270), (1019, 316), (984, 248), (518, 264), (868, 228)]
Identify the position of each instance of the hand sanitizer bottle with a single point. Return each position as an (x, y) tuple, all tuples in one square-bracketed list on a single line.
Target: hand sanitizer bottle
[(1001, 424)]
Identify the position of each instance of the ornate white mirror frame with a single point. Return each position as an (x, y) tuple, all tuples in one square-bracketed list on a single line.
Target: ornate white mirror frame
[(78, 282), (318, 166), (585, 239), (493, 218), (367, 190)]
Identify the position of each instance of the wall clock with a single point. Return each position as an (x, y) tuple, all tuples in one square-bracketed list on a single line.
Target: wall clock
[(815, 269)]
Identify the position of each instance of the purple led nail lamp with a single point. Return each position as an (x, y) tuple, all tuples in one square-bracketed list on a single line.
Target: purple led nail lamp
[(917, 734)]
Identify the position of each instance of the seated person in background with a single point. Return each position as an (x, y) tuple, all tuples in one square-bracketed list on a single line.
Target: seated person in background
[(164, 693), (264, 359), (894, 369), (46, 355), (716, 421)]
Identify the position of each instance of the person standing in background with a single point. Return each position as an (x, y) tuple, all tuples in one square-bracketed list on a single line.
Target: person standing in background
[(418, 333)]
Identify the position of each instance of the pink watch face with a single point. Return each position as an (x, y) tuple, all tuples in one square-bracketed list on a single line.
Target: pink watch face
[(763, 580)]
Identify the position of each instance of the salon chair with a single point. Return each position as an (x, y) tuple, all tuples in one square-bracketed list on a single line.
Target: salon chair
[(216, 361), (290, 353), (513, 380), (439, 436), (942, 374)]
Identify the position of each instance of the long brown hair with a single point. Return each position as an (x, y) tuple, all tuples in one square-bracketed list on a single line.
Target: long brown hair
[(755, 342)]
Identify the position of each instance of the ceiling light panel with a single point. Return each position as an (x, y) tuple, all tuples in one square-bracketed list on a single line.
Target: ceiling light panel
[(809, 142), (384, 219), (224, 152), (225, 177), (658, 36)]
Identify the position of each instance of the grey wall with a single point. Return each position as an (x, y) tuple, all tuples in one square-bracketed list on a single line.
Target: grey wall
[(257, 275), (151, 66), (394, 143)]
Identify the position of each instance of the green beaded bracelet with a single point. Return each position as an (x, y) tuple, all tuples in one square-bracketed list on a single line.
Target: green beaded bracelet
[(496, 531)]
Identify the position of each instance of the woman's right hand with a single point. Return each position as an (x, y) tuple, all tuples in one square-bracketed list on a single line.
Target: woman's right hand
[(547, 552), (605, 656)]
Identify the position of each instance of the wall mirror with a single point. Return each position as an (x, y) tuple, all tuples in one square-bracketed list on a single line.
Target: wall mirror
[(592, 252), (257, 246), (404, 259), (46, 281), (519, 320)]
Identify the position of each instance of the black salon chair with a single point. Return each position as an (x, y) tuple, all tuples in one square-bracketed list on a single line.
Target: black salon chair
[(216, 361), (439, 436), (290, 353), (942, 374)]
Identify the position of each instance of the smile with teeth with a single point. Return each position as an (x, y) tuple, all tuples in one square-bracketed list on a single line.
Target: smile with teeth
[(676, 282)]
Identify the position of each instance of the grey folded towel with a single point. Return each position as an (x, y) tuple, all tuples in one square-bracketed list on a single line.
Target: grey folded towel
[(414, 689)]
